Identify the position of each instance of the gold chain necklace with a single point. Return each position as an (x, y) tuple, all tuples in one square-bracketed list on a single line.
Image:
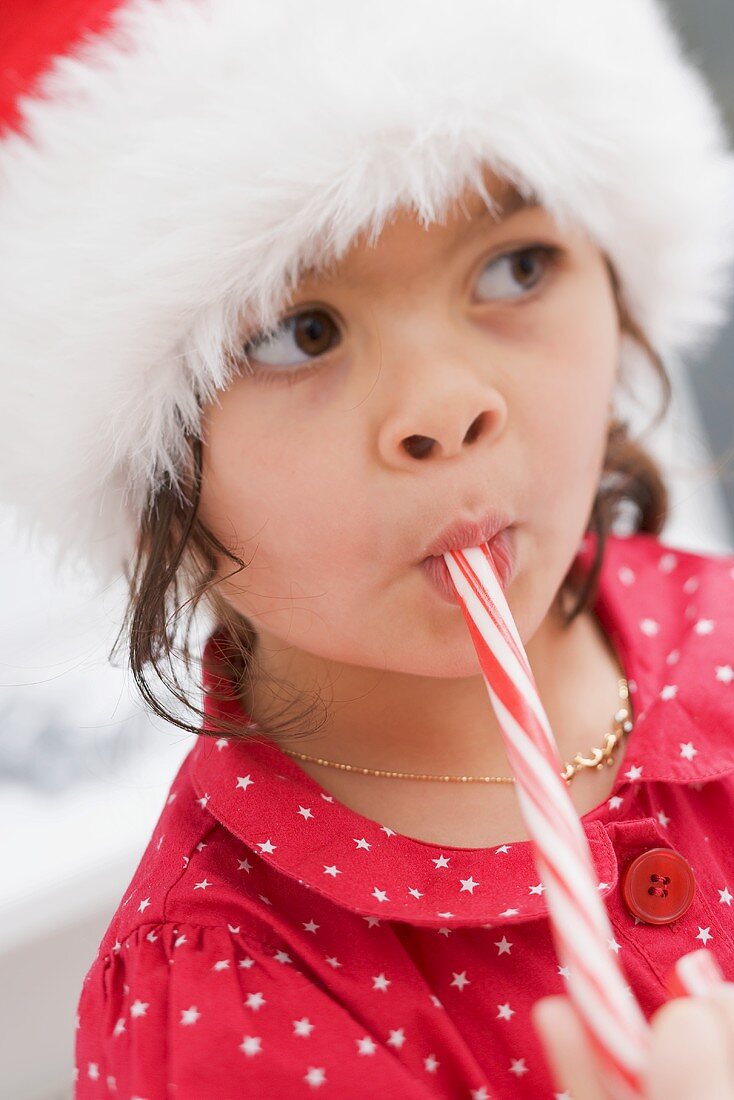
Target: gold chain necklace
[(621, 725)]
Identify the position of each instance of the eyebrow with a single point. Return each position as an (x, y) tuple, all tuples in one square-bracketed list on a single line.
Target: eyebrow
[(513, 202)]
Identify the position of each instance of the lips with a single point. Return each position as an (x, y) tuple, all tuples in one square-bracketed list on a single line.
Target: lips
[(468, 531), (502, 548)]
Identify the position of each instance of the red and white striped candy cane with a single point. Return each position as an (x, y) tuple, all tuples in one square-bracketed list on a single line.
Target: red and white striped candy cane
[(613, 1020)]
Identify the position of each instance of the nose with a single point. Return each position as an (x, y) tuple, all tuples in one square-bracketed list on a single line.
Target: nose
[(419, 446), (440, 403)]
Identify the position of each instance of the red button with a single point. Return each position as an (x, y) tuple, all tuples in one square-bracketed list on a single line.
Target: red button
[(658, 886)]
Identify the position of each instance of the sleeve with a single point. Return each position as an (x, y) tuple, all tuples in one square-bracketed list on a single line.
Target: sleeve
[(200, 1013)]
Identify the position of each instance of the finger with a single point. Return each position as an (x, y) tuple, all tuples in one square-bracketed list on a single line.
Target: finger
[(722, 1000), (688, 1053), (567, 1048)]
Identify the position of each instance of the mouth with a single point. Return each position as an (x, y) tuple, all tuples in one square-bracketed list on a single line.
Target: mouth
[(502, 547)]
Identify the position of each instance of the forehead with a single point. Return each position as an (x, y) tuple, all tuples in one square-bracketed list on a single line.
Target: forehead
[(465, 216)]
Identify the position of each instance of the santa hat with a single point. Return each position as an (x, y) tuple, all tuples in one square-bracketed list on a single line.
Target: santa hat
[(170, 166)]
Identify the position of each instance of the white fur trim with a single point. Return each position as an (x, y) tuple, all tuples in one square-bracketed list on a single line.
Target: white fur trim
[(190, 163)]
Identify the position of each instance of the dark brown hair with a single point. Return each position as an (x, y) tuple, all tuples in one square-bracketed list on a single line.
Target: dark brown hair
[(174, 543)]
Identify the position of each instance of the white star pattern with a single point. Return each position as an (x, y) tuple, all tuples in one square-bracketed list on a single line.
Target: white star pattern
[(725, 898), (635, 772), (189, 1016), (503, 946), (688, 751), (704, 935), (460, 980), (518, 1067), (251, 1044), (468, 884), (504, 1012), (663, 819), (725, 674), (303, 1026), (316, 1076)]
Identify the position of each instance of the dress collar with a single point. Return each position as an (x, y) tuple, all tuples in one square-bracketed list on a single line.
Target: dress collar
[(669, 615)]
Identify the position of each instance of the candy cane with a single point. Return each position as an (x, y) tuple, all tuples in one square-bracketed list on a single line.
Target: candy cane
[(614, 1023)]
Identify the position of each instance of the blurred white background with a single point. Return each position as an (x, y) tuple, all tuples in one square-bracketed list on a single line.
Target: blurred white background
[(84, 770)]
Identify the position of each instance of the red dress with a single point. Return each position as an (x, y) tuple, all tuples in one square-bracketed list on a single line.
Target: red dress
[(275, 942)]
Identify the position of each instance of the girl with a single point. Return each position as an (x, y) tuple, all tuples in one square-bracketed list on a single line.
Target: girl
[(293, 302)]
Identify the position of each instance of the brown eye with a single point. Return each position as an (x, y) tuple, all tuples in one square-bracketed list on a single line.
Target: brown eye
[(313, 332), (523, 268), (310, 333)]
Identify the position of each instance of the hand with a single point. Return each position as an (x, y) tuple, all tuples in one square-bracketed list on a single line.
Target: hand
[(691, 1048)]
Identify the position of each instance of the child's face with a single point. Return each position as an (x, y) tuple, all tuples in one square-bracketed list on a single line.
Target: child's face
[(420, 335)]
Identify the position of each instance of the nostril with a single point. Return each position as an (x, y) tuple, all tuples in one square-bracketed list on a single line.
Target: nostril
[(474, 430), (418, 445)]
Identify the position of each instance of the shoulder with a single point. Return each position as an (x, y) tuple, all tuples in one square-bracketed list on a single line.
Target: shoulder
[(193, 871), (673, 582), (154, 1011), (655, 557), (206, 1011)]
